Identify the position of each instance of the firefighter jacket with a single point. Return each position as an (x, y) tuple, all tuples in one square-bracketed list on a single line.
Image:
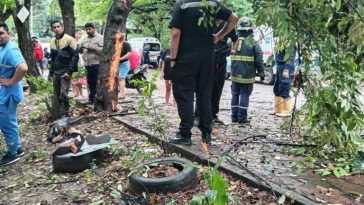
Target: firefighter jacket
[(246, 62), (64, 57)]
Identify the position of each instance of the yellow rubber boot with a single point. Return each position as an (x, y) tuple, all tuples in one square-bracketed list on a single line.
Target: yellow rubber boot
[(278, 105), (287, 108)]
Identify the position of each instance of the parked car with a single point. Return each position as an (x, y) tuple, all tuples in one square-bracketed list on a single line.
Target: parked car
[(154, 47)]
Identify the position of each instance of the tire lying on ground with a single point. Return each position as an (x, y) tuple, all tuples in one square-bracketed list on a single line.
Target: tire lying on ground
[(73, 164), (185, 178)]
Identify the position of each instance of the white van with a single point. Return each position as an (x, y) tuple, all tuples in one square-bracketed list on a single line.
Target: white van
[(154, 47)]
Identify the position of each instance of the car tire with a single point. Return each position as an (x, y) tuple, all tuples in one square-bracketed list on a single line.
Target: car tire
[(74, 164), (269, 75), (187, 177)]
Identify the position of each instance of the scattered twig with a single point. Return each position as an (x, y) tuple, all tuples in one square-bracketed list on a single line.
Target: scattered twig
[(251, 173), (123, 114), (58, 182), (240, 142)]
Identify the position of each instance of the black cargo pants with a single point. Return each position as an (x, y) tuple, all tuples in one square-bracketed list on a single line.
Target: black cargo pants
[(219, 73), (190, 78), (60, 103)]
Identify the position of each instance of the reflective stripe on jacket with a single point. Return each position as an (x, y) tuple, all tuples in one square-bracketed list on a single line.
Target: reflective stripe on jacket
[(246, 62)]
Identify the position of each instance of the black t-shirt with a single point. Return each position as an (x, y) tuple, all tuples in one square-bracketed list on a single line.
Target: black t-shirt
[(126, 49), (196, 41), (221, 48)]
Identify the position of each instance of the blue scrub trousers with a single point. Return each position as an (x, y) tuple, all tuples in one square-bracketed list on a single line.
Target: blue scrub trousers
[(9, 125)]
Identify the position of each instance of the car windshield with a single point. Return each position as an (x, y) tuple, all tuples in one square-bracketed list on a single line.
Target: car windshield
[(153, 46)]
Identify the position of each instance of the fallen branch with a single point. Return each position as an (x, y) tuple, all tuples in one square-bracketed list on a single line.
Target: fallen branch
[(58, 182)]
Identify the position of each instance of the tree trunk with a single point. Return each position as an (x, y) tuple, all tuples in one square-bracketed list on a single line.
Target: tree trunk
[(116, 21), (25, 43), (68, 16)]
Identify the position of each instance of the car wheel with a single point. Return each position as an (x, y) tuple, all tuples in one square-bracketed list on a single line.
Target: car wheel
[(187, 177), (269, 76), (73, 164)]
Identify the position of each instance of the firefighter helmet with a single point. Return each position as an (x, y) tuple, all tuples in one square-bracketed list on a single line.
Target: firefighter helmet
[(245, 23)]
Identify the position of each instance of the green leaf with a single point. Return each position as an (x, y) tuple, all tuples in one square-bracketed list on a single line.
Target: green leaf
[(197, 200), (97, 202), (233, 199), (358, 49), (338, 5), (211, 195), (282, 199), (300, 150), (219, 184), (325, 172)]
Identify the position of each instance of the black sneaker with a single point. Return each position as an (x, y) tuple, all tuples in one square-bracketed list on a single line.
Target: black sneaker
[(20, 152), (218, 121), (6, 160), (206, 138), (246, 121), (179, 139)]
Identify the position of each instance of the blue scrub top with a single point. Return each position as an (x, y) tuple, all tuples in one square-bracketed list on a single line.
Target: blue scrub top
[(11, 57)]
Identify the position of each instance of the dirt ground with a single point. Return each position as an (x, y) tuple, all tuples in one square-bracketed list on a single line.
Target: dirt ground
[(32, 180)]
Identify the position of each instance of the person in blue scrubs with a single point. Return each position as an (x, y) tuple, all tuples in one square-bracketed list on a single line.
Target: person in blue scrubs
[(12, 69)]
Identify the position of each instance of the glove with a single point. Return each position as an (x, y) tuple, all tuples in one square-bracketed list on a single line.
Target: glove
[(262, 76)]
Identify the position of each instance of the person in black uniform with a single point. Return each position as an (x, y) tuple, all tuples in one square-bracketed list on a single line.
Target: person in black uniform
[(192, 47), (221, 51)]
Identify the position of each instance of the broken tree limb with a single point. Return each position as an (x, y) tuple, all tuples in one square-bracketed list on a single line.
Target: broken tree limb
[(114, 69)]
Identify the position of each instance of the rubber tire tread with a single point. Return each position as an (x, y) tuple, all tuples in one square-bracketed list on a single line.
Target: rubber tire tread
[(71, 164), (184, 179)]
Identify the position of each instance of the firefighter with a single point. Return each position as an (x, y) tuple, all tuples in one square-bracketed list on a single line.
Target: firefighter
[(282, 84), (246, 63)]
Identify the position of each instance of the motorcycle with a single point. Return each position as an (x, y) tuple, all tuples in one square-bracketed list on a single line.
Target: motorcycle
[(139, 73)]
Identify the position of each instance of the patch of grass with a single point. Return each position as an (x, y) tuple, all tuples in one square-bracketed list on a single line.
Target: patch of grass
[(37, 155)]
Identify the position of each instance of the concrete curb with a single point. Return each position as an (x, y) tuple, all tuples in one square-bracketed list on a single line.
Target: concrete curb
[(197, 157)]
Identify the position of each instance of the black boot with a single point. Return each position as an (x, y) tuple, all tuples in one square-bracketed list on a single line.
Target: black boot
[(244, 121), (243, 113), (179, 139), (206, 138), (217, 121)]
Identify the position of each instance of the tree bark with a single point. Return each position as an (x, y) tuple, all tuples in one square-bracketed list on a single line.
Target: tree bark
[(116, 21), (68, 16), (25, 43)]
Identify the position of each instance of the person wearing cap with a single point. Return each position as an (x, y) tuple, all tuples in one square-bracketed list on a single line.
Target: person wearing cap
[(38, 52), (245, 64), (192, 54), (91, 48)]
